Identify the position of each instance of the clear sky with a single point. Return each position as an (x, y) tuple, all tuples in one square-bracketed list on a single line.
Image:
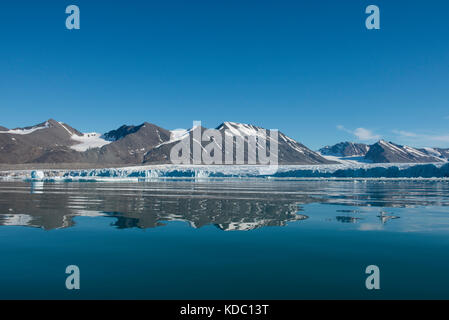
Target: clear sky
[(308, 68)]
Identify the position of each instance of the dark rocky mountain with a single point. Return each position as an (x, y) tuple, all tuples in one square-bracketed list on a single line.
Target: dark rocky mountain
[(289, 150), (121, 132), (132, 143), (3, 128), (388, 152), (25, 145), (345, 149), (57, 142)]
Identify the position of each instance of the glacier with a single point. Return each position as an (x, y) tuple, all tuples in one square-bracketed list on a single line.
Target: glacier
[(144, 173)]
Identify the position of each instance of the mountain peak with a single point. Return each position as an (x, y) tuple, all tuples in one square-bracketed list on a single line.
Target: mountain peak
[(52, 121), (389, 152), (345, 149), (385, 142), (122, 132), (231, 124)]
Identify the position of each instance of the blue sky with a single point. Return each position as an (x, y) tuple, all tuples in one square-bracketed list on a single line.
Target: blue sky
[(309, 68)]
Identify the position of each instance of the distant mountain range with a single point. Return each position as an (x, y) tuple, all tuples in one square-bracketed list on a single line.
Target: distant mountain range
[(54, 142), (386, 152)]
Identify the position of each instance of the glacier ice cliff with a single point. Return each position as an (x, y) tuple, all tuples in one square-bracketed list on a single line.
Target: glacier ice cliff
[(244, 171)]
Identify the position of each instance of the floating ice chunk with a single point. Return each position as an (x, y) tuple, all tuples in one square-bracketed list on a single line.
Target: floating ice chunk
[(38, 175)]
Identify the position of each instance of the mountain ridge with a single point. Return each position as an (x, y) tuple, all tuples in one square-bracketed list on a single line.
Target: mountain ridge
[(55, 142), (389, 152), (386, 152)]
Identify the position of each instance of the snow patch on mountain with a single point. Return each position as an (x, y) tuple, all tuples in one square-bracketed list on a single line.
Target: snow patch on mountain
[(89, 141), (292, 143), (27, 131), (65, 128), (347, 160), (391, 146), (242, 130), (433, 152), (178, 134), (245, 130)]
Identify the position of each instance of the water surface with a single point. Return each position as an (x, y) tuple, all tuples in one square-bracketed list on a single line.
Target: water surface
[(230, 239)]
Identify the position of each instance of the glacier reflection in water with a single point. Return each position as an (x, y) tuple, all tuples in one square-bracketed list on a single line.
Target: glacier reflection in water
[(229, 204)]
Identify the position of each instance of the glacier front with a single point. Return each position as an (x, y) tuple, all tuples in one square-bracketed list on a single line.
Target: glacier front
[(142, 173)]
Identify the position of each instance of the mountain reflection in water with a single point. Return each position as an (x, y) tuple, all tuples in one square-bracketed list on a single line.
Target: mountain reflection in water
[(227, 204)]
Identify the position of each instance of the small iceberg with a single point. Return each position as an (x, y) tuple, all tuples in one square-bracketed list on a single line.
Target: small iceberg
[(384, 217), (37, 175)]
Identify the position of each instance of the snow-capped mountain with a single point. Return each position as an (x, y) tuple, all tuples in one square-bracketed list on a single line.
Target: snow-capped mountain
[(57, 142), (384, 152), (54, 142), (30, 144), (289, 150), (345, 149), (388, 152)]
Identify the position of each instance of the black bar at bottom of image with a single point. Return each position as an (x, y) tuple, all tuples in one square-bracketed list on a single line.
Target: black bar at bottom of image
[(233, 309)]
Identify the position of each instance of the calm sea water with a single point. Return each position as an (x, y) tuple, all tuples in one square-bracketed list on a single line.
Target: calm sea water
[(229, 239)]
